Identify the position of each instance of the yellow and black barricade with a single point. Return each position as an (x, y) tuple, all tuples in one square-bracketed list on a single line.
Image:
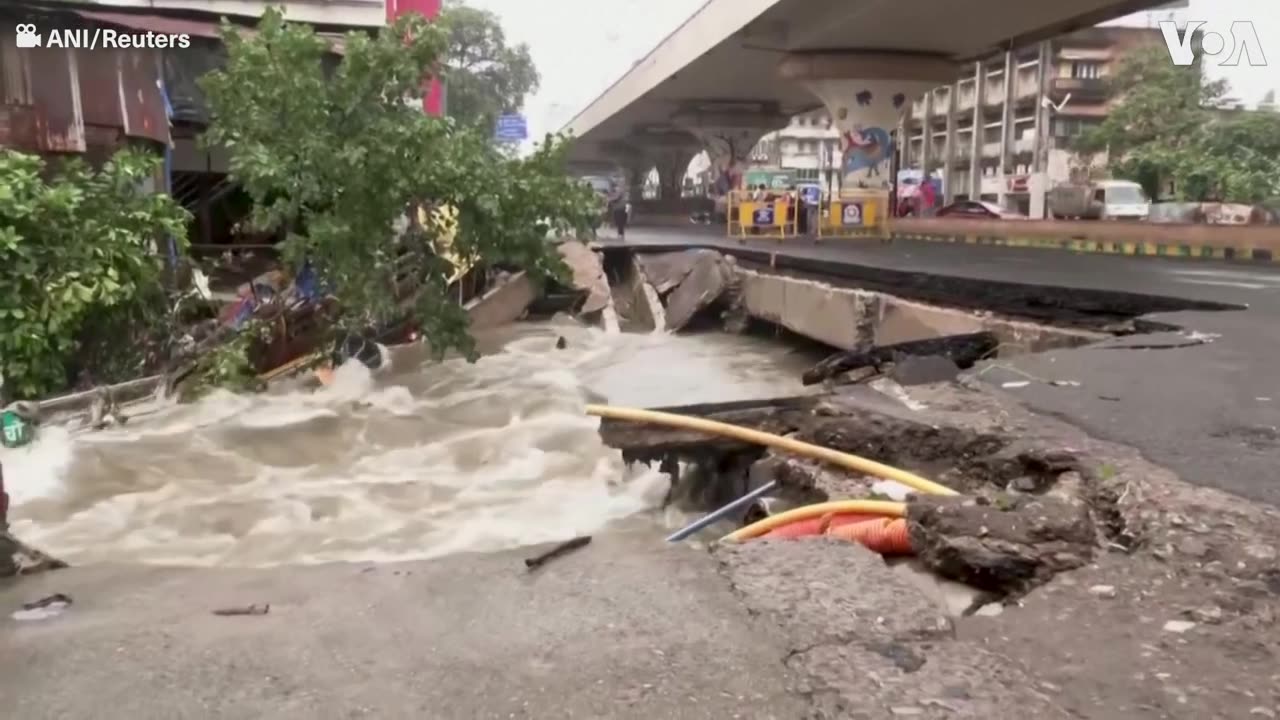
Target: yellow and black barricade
[(854, 214), (747, 215)]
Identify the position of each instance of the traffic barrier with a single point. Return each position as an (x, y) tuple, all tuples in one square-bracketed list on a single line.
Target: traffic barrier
[(853, 214), (766, 218), (1240, 243)]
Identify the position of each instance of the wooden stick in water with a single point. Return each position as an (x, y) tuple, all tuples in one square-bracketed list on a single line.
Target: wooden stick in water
[(567, 546)]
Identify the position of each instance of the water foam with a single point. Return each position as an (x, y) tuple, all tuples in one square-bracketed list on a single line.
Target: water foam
[(422, 461)]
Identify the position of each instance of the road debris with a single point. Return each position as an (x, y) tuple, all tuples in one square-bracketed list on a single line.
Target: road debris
[(1178, 626), (563, 548), (243, 610), (962, 350), (45, 607), (1103, 591)]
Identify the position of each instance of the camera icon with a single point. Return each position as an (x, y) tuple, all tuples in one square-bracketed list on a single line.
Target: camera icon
[(26, 36)]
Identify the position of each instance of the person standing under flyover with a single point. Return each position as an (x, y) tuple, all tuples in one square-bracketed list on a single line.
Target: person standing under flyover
[(619, 209)]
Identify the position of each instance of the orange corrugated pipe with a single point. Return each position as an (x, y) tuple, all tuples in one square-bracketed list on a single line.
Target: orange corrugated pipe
[(883, 535), (817, 525)]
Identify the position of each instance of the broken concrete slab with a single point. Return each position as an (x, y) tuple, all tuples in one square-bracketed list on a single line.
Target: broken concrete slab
[(924, 370), (667, 270), (638, 305), (705, 283), (1008, 547), (587, 268), (962, 350)]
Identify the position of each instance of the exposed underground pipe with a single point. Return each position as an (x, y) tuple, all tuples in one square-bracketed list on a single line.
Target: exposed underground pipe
[(763, 508), (715, 515), (791, 445), (879, 508)]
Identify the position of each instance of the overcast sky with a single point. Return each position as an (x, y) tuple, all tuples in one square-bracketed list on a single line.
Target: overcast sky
[(582, 46)]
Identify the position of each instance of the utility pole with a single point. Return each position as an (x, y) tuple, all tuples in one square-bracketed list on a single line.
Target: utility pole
[(433, 97)]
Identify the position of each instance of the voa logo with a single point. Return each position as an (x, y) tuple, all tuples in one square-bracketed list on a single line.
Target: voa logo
[(1241, 41)]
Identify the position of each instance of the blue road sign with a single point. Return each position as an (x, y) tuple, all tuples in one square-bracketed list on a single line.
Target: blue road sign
[(511, 128)]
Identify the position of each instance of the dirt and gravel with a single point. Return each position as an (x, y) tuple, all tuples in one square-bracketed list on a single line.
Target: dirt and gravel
[(1172, 615)]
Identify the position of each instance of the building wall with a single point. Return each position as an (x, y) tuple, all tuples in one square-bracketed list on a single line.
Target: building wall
[(1038, 153), (343, 13)]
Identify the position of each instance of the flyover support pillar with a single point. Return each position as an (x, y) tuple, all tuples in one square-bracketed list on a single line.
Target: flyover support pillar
[(867, 95), (672, 165), (729, 135)]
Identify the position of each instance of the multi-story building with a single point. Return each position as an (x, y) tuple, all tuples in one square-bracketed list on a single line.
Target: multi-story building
[(1058, 89)]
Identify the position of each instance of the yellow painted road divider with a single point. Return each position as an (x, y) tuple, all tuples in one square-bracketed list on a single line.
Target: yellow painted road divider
[(1249, 243)]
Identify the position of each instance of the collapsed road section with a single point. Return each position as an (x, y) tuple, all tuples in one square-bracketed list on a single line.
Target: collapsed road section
[(915, 328), (1064, 574), (1067, 575)]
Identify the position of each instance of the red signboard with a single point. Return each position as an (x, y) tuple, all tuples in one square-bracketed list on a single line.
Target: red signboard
[(431, 104)]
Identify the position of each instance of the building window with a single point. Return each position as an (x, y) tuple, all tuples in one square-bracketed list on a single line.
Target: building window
[(1086, 70), (1071, 127)]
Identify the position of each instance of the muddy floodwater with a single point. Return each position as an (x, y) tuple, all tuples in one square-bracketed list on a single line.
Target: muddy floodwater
[(428, 460)]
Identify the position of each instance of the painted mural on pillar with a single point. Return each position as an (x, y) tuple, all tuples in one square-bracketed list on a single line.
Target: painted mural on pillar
[(867, 151), (725, 152)]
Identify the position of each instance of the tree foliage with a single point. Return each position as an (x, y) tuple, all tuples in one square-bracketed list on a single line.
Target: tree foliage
[(77, 255), (1165, 124), (337, 154), (484, 77)]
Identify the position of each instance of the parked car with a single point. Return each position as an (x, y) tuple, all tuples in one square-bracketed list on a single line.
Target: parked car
[(977, 210)]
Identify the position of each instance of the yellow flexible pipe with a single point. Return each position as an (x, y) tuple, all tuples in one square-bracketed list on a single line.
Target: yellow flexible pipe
[(836, 507), (791, 445)]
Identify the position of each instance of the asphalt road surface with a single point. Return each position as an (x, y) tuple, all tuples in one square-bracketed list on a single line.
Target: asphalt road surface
[(1210, 412), (628, 627)]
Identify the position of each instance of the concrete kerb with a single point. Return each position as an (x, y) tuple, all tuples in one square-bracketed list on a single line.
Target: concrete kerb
[(1130, 249), (1250, 243)]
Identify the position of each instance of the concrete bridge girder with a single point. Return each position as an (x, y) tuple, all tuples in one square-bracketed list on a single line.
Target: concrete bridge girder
[(866, 95)]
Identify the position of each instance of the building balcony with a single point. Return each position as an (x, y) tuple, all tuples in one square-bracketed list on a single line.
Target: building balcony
[(1084, 88)]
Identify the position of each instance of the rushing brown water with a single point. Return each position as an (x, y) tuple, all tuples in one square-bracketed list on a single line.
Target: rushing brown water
[(429, 460)]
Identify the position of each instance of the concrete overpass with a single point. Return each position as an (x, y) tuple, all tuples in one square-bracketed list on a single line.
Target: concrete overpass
[(738, 69)]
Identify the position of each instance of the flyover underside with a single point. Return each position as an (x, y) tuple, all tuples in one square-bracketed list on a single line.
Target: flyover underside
[(730, 51)]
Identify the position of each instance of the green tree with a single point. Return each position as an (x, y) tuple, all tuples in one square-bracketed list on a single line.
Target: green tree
[(484, 76), (80, 278), (338, 155), (1165, 125)]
